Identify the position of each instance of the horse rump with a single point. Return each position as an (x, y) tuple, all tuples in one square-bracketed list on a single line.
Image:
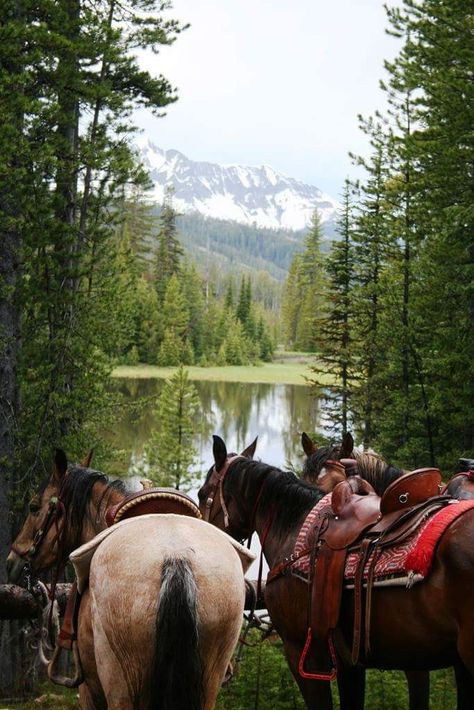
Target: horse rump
[(177, 681)]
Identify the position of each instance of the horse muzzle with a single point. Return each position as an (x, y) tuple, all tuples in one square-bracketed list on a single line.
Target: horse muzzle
[(15, 567)]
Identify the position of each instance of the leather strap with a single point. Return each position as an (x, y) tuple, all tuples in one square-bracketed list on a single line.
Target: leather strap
[(68, 632), (358, 593), (216, 484)]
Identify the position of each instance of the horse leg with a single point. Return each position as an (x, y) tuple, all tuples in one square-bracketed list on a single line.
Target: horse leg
[(351, 684), (87, 700), (418, 689), (316, 693), (91, 696), (465, 687)]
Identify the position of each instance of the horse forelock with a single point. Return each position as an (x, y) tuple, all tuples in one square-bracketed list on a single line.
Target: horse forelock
[(315, 463), (279, 493)]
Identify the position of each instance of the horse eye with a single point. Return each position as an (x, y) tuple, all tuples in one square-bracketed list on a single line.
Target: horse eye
[(34, 508)]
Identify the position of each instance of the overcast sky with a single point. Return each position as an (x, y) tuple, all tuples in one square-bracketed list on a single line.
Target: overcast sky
[(277, 82)]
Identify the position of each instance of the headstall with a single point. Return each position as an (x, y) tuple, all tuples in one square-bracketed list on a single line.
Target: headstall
[(55, 510), (216, 485)]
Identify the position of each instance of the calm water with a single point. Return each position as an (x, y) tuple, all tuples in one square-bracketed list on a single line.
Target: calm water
[(235, 411)]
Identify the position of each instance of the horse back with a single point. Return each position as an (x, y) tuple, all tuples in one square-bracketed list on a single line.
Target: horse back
[(126, 579)]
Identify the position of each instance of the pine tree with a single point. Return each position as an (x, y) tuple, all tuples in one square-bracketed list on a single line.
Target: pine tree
[(69, 80), (175, 322), (336, 355), (229, 295), (193, 291), (370, 251), (170, 251), (291, 302), (437, 58), (311, 284), (171, 452)]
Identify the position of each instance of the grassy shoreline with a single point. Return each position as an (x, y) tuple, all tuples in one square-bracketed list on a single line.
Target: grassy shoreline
[(286, 372)]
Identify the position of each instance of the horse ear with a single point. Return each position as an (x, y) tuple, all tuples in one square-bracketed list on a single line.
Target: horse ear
[(347, 445), (250, 450), (60, 465), (219, 451), (309, 447), (86, 461)]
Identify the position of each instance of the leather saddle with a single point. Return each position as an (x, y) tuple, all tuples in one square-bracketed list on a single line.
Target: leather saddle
[(359, 520), (152, 500)]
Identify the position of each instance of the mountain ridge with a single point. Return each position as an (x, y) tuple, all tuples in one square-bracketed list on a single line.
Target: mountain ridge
[(256, 196)]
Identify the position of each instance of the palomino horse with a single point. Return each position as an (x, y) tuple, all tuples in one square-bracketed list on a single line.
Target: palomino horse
[(430, 625), (163, 609)]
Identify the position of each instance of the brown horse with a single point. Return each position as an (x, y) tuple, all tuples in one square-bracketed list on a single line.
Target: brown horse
[(430, 625), (321, 469), (164, 604)]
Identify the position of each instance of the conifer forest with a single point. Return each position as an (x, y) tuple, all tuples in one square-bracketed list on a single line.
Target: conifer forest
[(95, 275)]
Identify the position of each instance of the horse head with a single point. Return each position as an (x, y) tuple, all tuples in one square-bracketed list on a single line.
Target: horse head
[(38, 540), (211, 497), (322, 468), (57, 519)]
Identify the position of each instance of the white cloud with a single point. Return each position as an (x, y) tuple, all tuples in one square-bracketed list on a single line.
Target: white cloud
[(273, 81)]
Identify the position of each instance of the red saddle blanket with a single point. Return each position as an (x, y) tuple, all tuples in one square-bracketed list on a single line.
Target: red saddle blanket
[(410, 560)]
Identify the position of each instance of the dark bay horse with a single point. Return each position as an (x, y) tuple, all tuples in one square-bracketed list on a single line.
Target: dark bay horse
[(162, 612), (429, 626), (319, 470), (373, 468)]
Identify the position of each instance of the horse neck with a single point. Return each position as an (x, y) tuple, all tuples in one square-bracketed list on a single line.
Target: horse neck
[(276, 541), (102, 497)]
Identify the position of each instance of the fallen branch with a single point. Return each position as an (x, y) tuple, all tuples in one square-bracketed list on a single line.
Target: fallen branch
[(19, 603)]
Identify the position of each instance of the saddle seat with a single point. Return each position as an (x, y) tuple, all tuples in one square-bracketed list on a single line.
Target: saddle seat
[(358, 510), (152, 500)]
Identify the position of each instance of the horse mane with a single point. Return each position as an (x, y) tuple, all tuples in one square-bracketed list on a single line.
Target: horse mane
[(316, 461), (76, 491), (376, 471), (276, 488)]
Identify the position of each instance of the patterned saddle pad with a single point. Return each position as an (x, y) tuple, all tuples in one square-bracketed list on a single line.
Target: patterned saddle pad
[(402, 564)]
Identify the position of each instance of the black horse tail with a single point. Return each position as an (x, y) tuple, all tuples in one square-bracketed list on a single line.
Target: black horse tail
[(177, 680)]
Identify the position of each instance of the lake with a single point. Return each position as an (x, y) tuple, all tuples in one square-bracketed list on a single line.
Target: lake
[(236, 411)]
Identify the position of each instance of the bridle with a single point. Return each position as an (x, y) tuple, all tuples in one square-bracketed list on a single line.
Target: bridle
[(56, 511), (216, 482)]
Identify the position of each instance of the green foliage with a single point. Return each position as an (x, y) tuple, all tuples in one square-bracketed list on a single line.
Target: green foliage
[(75, 84), (303, 298), (170, 451), (263, 680), (337, 343), (235, 348), (169, 250)]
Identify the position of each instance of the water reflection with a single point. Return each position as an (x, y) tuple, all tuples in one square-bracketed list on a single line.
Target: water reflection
[(237, 411)]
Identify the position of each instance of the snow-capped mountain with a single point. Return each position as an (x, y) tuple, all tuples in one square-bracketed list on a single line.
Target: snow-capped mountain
[(251, 195)]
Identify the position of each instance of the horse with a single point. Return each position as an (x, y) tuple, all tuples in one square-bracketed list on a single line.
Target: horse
[(373, 468), (163, 610), (430, 625), (321, 470)]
